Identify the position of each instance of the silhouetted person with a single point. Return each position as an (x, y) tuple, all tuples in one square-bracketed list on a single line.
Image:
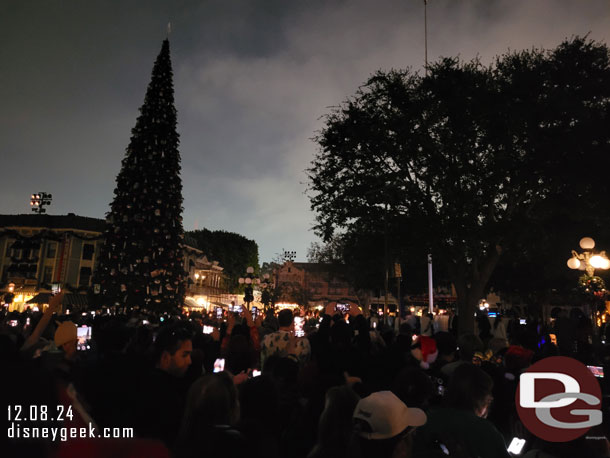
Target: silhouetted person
[(163, 392)]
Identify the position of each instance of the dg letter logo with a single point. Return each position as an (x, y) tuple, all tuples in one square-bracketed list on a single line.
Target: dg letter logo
[(558, 399)]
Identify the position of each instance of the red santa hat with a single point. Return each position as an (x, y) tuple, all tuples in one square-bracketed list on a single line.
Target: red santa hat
[(424, 349)]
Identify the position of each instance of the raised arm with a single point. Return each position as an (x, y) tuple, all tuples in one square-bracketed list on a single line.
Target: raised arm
[(54, 305)]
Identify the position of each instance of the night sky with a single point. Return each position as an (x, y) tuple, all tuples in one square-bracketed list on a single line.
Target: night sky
[(251, 79)]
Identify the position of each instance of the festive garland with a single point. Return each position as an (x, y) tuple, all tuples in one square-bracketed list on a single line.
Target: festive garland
[(594, 287), (45, 234)]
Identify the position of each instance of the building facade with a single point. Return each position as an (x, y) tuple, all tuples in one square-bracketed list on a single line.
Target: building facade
[(312, 284), (207, 285), (41, 252)]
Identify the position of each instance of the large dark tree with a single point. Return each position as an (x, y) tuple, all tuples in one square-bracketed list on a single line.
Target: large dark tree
[(469, 161), (234, 252), (141, 260)]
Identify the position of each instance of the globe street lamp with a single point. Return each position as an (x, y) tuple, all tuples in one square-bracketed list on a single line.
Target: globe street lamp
[(587, 260), (249, 280), (589, 284), (266, 291)]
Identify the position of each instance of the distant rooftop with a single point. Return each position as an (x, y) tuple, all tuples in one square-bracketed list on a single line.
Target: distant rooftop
[(69, 221)]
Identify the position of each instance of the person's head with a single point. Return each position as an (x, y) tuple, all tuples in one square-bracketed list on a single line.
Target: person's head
[(497, 344), (382, 422), (341, 334), (446, 345), (66, 338), (517, 359), (284, 371), (468, 345), (335, 425), (470, 389), (285, 319), (240, 354), (413, 387), (211, 400), (173, 349), (361, 324), (259, 401)]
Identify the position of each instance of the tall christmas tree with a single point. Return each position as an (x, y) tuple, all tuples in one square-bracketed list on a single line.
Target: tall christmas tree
[(141, 260)]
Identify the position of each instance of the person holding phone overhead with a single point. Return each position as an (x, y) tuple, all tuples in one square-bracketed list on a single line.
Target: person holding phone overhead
[(284, 343)]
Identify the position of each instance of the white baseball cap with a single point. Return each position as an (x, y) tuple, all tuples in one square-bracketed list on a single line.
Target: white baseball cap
[(387, 415)]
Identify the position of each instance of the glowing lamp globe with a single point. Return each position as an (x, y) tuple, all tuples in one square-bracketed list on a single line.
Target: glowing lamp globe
[(587, 243), (573, 263), (597, 261)]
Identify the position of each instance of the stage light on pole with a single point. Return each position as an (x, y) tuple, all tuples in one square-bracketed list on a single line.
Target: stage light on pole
[(39, 200)]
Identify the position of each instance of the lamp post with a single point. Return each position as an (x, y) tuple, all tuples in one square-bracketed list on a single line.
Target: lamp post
[(587, 260), (592, 285), (39, 200), (249, 280), (266, 291), (8, 297)]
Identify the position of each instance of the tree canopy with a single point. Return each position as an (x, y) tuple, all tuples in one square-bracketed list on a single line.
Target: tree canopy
[(469, 161), (234, 252)]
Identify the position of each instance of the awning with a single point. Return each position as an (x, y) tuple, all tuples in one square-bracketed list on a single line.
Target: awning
[(69, 299), (192, 303), (24, 289), (219, 304)]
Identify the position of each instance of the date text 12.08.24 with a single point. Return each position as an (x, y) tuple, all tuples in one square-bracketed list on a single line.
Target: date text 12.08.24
[(39, 413)]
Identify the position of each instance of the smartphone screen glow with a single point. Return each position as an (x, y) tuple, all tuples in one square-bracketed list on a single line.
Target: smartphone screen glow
[(515, 446), (219, 365)]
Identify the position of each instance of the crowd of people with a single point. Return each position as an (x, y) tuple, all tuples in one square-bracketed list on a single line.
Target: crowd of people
[(276, 384)]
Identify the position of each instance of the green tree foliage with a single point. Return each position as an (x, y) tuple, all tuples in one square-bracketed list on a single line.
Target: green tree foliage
[(469, 161), (234, 252), (141, 260)]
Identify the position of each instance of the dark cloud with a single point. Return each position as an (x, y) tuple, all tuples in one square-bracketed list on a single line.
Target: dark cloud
[(252, 79)]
